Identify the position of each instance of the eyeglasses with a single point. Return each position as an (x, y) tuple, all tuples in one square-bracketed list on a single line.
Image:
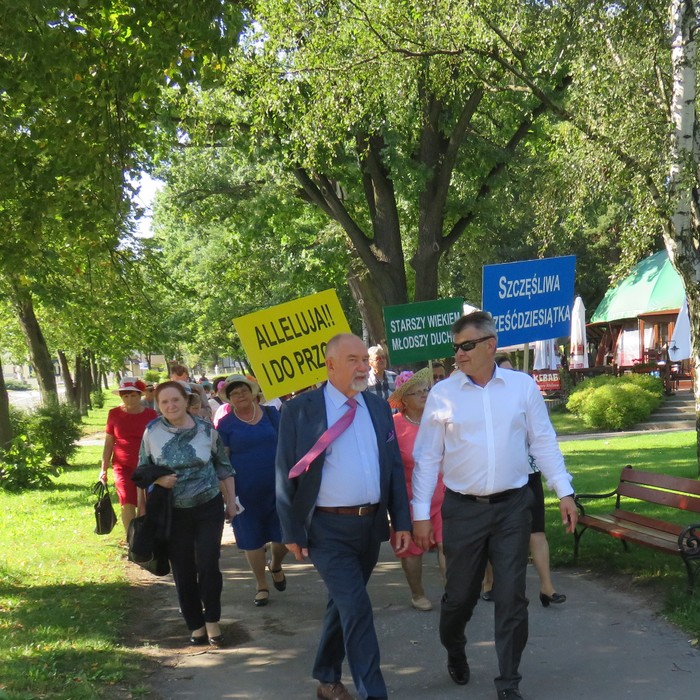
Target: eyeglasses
[(240, 394), (418, 392), (468, 345)]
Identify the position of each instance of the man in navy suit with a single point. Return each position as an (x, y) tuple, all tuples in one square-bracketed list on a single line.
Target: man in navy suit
[(336, 511)]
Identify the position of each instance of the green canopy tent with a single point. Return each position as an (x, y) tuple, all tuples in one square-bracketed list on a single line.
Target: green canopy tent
[(652, 286), (640, 313)]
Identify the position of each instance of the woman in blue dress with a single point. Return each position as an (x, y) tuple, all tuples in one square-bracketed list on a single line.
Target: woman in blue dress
[(249, 432)]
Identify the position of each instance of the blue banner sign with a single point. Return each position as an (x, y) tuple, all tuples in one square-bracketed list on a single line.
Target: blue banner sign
[(530, 300)]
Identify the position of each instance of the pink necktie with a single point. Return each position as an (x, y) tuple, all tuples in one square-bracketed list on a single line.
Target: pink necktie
[(326, 439)]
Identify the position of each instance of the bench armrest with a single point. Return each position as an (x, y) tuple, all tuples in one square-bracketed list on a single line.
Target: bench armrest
[(689, 541), (580, 496)]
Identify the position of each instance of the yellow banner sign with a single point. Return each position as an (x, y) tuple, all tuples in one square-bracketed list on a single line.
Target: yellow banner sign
[(286, 344)]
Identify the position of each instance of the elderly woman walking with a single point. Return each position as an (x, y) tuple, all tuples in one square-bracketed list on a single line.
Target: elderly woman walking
[(409, 399), (184, 455), (249, 431), (124, 430)]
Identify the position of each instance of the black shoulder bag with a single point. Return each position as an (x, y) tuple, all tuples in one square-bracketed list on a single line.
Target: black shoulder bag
[(105, 517)]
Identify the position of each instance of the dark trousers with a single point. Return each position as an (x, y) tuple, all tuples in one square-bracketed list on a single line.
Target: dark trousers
[(472, 534), (344, 550), (194, 549)]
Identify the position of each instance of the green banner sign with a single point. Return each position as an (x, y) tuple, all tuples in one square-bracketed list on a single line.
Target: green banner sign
[(420, 331)]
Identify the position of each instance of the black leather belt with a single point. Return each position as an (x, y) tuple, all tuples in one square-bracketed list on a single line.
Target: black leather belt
[(367, 509), (492, 498)]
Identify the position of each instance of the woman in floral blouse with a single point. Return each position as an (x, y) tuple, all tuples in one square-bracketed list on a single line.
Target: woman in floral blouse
[(198, 472)]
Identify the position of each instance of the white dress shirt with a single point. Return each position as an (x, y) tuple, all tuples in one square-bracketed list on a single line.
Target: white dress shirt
[(480, 438), (350, 474)]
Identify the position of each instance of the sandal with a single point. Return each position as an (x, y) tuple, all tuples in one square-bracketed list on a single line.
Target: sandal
[(279, 585), (261, 597)]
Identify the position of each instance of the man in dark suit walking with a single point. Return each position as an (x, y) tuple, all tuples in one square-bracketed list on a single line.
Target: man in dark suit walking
[(335, 486)]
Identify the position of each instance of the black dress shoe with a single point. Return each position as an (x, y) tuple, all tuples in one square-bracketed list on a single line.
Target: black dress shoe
[(217, 641), (279, 585), (487, 596), (459, 671), (200, 639), (509, 694), (555, 598)]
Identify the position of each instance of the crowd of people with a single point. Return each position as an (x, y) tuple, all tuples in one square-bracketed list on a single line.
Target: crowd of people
[(432, 460)]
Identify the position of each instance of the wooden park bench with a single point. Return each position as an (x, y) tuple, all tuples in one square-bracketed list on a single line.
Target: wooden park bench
[(630, 526)]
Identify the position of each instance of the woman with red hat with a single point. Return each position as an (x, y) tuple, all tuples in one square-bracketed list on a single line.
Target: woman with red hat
[(125, 427)]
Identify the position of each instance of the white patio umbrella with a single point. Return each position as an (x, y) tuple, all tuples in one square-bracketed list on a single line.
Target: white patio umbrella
[(679, 349), (546, 354), (579, 354)]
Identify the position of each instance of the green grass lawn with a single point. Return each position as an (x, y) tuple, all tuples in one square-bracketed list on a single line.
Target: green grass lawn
[(566, 423), (66, 604), (595, 466), (95, 421)]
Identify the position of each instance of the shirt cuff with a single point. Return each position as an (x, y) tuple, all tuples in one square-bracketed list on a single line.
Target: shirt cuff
[(563, 488), (421, 511)]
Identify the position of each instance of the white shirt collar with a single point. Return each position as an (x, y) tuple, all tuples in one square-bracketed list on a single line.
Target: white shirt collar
[(497, 374), (338, 399)]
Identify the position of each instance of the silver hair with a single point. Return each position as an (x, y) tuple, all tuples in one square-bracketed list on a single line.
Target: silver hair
[(481, 320)]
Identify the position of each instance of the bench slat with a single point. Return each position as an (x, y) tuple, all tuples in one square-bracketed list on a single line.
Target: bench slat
[(660, 541), (671, 499), (652, 523), (662, 481)]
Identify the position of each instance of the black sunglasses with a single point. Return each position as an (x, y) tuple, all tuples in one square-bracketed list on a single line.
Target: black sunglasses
[(468, 345)]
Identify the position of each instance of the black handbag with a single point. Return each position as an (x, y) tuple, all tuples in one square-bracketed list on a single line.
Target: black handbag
[(105, 517), (145, 549)]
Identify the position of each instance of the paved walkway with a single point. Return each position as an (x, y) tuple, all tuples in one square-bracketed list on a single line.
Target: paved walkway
[(601, 644)]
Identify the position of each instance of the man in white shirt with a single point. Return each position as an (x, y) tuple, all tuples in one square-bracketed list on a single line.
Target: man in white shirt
[(478, 427)]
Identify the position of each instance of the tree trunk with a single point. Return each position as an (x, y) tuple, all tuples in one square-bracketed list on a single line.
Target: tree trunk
[(84, 383), (71, 395), (683, 229), (94, 372), (382, 253), (369, 303), (85, 389), (79, 375), (36, 344), (5, 427)]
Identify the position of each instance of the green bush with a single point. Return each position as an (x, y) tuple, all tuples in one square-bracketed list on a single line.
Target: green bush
[(19, 420), (16, 385), (44, 440), (25, 466), (579, 397), (616, 403), (97, 398), (651, 384), (151, 375), (56, 428)]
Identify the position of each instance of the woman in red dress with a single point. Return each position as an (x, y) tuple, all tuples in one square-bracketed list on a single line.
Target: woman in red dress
[(409, 398), (125, 427)]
